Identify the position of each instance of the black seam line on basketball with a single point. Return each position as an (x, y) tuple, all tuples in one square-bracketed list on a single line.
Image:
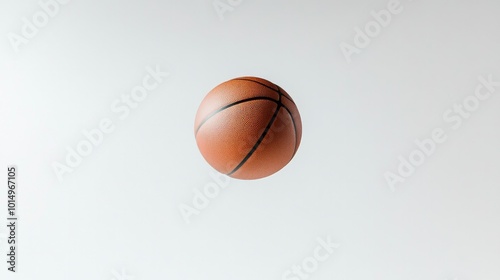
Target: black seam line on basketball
[(295, 148), (289, 98), (277, 91), (293, 122), (236, 103), (280, 93), (261, 138), (231, 105)]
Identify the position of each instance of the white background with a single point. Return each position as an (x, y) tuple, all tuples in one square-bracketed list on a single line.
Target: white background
[(118, 211)]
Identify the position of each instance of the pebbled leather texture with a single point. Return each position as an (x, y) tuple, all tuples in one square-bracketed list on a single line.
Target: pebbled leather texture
[(248, 128)]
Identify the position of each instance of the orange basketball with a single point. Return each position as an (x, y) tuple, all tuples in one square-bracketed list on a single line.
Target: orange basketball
[(248, 128)]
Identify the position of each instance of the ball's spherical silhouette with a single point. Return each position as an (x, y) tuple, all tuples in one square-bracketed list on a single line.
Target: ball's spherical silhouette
[(248, 128)]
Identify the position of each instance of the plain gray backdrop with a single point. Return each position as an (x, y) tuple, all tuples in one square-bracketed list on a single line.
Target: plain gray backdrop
[(117, 214)]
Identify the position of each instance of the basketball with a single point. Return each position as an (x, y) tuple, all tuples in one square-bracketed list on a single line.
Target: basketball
[(248, 128)]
